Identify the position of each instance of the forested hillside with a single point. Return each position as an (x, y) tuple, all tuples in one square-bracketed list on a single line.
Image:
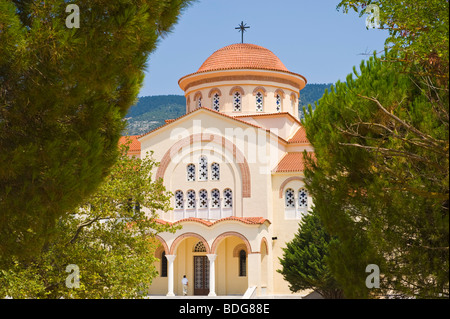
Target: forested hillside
[(150, 112)]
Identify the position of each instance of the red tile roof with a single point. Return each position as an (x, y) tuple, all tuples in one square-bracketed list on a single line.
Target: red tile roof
[(299, 136), (242, 56), (135, 145), (291, 162), (245, 220)]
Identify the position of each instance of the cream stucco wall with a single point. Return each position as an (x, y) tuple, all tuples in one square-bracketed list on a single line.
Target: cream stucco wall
[(262, 142), (260, 148), (284, 229)]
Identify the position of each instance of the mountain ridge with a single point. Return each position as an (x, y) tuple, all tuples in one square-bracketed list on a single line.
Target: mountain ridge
[(151, 112)]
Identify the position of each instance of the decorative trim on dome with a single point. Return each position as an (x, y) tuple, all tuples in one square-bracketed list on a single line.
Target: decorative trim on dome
[(214, 90), (198, 95), (242, 78), (237, 88), (260, 89), (280, 92)]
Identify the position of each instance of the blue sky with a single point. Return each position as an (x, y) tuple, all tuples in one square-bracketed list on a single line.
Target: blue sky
[(309, 36)]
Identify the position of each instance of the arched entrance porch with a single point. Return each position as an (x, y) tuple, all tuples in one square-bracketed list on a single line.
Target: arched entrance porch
[(221, 258)]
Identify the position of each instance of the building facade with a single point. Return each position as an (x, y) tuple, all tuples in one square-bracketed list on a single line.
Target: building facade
[(234, 163)]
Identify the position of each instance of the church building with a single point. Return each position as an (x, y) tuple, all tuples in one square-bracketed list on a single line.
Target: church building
[(234, 163)]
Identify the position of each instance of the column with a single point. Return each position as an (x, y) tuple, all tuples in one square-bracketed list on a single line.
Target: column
[(212, 275), (254, 271), (197, 201), (170, 259), (209, 201), (221, 201)]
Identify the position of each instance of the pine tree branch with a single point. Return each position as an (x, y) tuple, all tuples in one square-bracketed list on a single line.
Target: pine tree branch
[(389, 151), (435, 142)]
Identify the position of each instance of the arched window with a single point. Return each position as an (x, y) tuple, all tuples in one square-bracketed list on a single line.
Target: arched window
[(278, 102), (216, 102), (203, 169), (293, 100), (228, 198), (242, 263), (190, 172), (163, 264), (215, 171), (302, 198), (190, 199), (237, 101), (215, 198), (259, 98), (203, 198), (179, 200), (198, 97), (289, 198), (199, 248)]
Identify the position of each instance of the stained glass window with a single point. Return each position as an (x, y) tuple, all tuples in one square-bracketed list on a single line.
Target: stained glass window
[(190, 173), (203, 169), (278, 102), (190, 199), (228, 198), (302, 198), (216, 102), (289, 198), (215, 198), (199, 248), (179, 200), (215, 171), (199, 103), (259, 102), (203, 198), (237, 102)]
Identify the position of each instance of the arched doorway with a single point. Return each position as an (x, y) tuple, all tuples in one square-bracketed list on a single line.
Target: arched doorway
[(232, 250), (191, 261)]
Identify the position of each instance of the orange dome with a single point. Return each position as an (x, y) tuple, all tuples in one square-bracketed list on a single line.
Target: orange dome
[(242, 56)]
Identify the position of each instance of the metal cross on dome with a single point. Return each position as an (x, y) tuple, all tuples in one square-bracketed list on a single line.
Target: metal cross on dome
[(242, 28)]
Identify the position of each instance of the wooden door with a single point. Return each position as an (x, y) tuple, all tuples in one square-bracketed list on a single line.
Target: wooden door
[(201, 275)]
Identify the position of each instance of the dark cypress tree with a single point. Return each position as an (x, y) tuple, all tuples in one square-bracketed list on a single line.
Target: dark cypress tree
[(304, 260)]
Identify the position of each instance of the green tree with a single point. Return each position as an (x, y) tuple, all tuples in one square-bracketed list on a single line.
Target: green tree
[(380, 177), (304, 260), (110, 238), (63, 94), (418, 33), (380, 181)]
